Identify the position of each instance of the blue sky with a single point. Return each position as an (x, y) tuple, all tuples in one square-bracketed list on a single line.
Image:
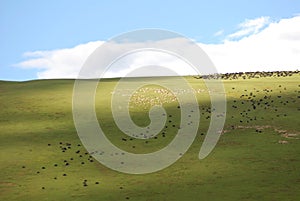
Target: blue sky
[(28, 26)]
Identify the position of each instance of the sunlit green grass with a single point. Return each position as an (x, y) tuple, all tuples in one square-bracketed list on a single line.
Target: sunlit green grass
[(248, 163)]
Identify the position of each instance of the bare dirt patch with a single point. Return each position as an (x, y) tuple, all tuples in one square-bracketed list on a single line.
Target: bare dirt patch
[(284, 133), (7, 184)]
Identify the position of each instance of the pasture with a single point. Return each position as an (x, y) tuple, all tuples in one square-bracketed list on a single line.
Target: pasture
[(256, 158)]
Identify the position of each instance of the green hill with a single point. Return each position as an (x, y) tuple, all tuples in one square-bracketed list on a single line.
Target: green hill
[(256, 158)]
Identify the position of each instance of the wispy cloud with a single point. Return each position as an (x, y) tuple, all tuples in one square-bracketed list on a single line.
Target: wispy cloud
[(260, 45), (219, 33), (249, 27)]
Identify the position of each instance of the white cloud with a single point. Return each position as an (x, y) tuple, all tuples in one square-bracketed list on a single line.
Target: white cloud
[(277, 47), (150, 58), (259, 45), (62, 63)]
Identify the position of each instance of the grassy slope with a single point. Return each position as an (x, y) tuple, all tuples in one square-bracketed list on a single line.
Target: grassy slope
[(36, 125)]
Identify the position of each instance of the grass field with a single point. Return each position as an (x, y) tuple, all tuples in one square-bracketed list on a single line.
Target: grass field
[(256, 158)]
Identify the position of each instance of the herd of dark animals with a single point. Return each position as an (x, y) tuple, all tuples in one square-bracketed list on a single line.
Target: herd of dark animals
[(249, 100), (248, 75)]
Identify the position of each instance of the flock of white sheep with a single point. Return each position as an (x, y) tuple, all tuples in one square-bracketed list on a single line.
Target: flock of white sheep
[(147, 97)]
